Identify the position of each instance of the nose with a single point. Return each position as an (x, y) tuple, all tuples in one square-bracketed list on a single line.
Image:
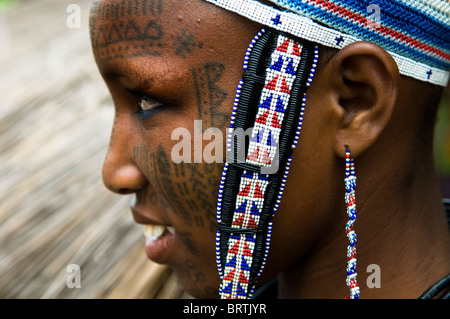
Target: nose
[(122, 178), (120, 172)]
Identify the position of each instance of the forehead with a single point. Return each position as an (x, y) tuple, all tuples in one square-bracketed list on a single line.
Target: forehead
[(135, 38), (138, 28), (126, 28)]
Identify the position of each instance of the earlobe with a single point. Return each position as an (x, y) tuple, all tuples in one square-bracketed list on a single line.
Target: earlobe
[(364, 86)]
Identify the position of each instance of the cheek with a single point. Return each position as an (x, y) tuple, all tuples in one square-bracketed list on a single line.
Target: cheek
[(192, 200), (191, 194), (186, 193)]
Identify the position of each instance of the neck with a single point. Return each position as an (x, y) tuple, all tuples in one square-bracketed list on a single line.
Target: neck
[(404, 235)]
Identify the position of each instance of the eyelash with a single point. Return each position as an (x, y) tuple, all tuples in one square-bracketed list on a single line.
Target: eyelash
[(147, 107)]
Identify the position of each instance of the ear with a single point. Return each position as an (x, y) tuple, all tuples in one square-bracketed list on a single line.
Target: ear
[(362, 83)]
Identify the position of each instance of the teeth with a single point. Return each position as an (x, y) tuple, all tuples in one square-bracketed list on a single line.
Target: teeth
[(155, 231), (133, 201)]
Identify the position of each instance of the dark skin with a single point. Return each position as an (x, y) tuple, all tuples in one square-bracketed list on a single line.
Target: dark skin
[(190, 64)]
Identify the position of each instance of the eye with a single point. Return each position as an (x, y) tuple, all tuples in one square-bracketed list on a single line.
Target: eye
[(147, 103), (147, 107)]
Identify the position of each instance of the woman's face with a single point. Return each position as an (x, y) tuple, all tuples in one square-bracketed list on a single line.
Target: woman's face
[(169, 65)]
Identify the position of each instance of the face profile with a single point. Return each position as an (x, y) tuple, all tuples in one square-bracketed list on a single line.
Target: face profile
[(182, 73)]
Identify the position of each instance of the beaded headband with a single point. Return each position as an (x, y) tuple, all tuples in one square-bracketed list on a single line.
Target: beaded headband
[(270, 100), (415, 33)]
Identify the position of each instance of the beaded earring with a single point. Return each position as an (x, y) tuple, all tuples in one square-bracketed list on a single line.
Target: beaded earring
[(350, 201)]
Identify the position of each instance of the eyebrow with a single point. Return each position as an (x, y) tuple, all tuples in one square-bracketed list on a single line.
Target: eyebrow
[(128, 77), (135, 77)]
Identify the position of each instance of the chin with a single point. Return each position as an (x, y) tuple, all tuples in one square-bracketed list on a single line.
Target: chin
[(196, 286)]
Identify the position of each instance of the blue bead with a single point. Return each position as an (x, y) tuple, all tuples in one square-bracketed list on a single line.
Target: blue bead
[(244, 265), (290, 67), (254, 210), (280, 107), (277, 65), (232, 262), (266, 103)]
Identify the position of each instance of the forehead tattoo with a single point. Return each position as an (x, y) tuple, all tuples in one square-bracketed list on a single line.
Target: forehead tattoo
[(129, 28)]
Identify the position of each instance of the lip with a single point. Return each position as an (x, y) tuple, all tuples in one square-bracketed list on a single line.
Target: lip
[(157, 250), (161, 249)]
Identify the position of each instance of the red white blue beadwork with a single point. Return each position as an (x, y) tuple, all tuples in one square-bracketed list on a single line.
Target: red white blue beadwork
[(262, 151), (350, 200), (419, 54)]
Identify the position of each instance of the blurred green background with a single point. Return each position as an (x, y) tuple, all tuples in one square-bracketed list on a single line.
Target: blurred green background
[(4, 3)]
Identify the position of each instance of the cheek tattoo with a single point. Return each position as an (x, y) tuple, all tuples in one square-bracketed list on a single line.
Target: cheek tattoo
[(210, 95)]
